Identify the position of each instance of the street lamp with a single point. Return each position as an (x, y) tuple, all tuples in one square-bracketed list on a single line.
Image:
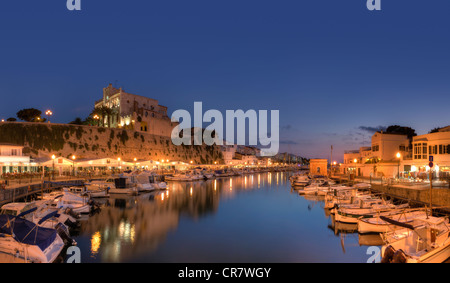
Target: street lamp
[(49, 113), (96, 117), (73, 164), (398, 166), (53, 170)]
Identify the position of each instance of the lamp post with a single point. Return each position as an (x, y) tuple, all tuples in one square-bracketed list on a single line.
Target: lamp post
[(398, 165), (97, 118), (53, 170), (73, 165), (49, 113)]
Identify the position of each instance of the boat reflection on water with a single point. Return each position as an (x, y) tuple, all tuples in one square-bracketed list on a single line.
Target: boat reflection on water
[(344, 230), (130, 226)]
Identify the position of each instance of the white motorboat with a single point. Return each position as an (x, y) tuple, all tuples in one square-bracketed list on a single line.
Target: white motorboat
[(364, 208), (300, 180), (51, 195), (26, 240), (426, 240), (119, 185), (208, 175), (181, 177), (377, 225), (35, 211), (76, 203), (88, 190), (344, 195)]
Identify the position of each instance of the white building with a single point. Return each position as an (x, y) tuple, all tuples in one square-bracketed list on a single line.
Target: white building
[(393, 155), (12, 159)]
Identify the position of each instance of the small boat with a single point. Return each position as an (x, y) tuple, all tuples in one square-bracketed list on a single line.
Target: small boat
[(156, 182), (76, 203), (300, 180), (378, 225), (119, 185), (26, 240), (88, 190), (208, 174), (221, 173), (38, 212), (426, 240), (182, 177), (364, 208), (51, 195)]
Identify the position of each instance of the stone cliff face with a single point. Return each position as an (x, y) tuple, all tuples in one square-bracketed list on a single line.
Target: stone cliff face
[(89, 142)]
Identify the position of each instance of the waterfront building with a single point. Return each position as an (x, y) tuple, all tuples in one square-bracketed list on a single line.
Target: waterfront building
[(380, 159), (394, 155), (13, 160), (134, 112), (318, 167), (436, 144)]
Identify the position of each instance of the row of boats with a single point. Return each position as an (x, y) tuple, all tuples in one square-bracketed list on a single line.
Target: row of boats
[(206, 174), (409, 234), (38, 231)]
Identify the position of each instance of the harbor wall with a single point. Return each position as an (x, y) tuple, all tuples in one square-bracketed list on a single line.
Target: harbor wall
[(90, 142), (440, 196)]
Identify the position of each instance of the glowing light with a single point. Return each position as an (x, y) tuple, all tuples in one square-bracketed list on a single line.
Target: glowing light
[(96, 240)]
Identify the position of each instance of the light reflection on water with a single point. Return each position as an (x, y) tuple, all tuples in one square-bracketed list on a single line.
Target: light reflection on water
[(250, 218)]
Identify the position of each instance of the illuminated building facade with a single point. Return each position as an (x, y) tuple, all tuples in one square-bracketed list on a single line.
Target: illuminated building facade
[(134, 112)]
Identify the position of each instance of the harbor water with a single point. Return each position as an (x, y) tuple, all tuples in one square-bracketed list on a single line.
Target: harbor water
[(256, 218)]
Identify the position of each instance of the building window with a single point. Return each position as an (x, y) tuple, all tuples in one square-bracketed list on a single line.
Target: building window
[(424, 150)]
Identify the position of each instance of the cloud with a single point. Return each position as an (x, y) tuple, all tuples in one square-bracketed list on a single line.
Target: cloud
[(372, 129)]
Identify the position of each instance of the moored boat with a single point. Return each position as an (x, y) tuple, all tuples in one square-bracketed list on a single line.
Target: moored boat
[(426, 240), (378, 225), (26, 240)]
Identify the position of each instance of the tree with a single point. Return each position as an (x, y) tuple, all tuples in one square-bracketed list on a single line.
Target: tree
[(12, 119), (395, 129), (30, 115), (104, 113), (435, 130), (77, 121)]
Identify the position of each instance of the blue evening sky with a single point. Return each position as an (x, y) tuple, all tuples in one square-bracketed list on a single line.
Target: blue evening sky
[(331, 67)]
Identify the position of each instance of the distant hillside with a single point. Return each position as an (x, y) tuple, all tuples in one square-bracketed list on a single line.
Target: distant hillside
[(95, 142)]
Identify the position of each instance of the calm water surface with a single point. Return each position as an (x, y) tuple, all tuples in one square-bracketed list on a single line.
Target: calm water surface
[(252, 218)]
